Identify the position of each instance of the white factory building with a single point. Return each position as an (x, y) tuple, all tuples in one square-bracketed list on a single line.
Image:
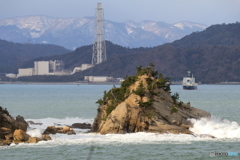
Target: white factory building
[(43, 68), (98, 78), (25, 72), (102, 79)]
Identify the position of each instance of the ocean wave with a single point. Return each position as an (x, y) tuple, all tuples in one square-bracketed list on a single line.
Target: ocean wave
[(222, 129), (217, 127)]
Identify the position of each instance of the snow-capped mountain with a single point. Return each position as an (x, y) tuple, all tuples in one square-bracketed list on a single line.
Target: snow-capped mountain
[(75, 32)]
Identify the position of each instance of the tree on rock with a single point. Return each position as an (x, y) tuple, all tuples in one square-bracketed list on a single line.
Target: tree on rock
[(144, 103)]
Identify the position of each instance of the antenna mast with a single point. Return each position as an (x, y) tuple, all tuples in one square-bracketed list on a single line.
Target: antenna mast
[(99, 45)]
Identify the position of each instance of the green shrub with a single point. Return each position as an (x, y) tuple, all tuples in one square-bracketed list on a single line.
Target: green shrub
[(116, 94), (180, 104), (129, 80), (110, 108), (140, 90), (175, 97), (174, 110), (145, 104), (153, 93), (150, 113), (163, 83), (100, 102), (148, 70)]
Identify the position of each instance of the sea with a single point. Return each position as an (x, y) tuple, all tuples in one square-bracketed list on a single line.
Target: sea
[(62, 105)]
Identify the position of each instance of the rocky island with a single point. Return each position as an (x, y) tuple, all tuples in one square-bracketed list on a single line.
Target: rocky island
[(144, 103)]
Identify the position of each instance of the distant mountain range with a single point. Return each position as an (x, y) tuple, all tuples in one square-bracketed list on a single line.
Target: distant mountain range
[(72, 33)]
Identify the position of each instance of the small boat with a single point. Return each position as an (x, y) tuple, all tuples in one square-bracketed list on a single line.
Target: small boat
[(189, 82)]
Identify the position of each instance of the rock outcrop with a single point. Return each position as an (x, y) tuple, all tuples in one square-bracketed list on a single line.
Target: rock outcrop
[(33, 123), (14, 131), (81, 125), (7, 121), (54, 130), (144, 103), (20, 135), (22, 122)]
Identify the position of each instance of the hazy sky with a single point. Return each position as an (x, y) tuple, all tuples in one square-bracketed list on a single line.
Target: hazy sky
[(170, 11)]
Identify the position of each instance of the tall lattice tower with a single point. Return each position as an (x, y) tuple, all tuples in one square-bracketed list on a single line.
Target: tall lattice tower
[(99, 45)]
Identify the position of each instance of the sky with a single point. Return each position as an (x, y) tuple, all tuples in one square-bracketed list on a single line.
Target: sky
[(170, 11)]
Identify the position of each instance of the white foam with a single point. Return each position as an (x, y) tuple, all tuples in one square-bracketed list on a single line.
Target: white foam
[(116, 139), (35, 133), (217, 127), (45, 122)]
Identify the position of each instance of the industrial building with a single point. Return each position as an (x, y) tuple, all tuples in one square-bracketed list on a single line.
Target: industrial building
[(43, 68), (26, 71), (98, 79), (56, 66)]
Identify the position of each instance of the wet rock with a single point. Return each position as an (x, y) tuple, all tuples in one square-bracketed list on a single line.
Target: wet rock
[(7, 121), (50, 130), (21, 119), (204, 136), (65, 129), (20, 135), (5, 142), (81, 125), (54, 130), (70, 132), (2, 142), (23, 126), (46, 137), (30, 122), (9, 137), (34, 140), (5, 133), (14, 131), (33, 123)]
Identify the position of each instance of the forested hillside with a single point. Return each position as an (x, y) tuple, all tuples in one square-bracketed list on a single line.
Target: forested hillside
[(225, 34), (212, 55), (209, 64), (13, 54), (84, 55)]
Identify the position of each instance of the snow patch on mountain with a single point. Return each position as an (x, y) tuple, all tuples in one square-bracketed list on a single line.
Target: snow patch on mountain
[(76, 32), (185, 24)]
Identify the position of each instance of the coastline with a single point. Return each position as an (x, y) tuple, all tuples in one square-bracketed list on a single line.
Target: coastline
[(102, 83), (63, 83)]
